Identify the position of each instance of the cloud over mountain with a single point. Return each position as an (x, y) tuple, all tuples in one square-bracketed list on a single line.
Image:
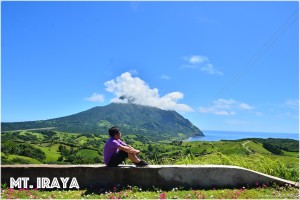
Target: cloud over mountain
[(137, 91)]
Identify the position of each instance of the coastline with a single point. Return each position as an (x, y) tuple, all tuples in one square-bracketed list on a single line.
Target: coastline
[(236, 135)]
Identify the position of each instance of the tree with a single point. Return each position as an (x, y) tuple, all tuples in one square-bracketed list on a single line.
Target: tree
[(272, 149), (187, 151), (150, 147), (60, 158)]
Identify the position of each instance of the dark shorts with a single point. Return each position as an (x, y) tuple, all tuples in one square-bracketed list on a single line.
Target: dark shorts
[(117, 158)]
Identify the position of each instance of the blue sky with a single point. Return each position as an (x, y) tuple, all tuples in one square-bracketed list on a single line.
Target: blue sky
[(222, 65)]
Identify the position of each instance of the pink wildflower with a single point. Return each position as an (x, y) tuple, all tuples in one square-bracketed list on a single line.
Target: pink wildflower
[(162, 196)]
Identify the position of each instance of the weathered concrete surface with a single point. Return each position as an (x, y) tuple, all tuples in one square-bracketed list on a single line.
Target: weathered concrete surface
[(161, 176)]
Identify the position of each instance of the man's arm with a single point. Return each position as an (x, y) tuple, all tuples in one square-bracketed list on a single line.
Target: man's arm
[(128, 149)]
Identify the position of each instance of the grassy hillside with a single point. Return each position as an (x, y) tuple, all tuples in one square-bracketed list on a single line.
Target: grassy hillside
[(16, 159), (69, 148), (50, 150)]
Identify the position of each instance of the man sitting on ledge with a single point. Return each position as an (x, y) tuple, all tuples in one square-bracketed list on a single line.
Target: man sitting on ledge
[(116, 151)]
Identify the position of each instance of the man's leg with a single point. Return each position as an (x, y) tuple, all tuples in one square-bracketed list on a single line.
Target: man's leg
[(117, 159), (136, 160), (133, 158)]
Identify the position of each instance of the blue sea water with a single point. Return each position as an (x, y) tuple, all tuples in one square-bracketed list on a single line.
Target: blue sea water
[(234, 135)]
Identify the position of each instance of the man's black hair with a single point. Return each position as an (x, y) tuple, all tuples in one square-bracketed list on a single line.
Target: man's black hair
[(113, 131)]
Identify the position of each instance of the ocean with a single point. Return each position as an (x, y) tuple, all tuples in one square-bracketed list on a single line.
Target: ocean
[(234, 135)]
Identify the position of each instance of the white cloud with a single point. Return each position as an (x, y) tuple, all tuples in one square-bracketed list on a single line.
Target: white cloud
[(225, 107), (209, 68), (292, 103), (95, 98), (140, 93), (244, 106), (202, 63), (197, 59), (291, 107), (165, 77)]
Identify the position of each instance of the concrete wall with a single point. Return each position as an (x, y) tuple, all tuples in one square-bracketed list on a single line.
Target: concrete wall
[(161, 176)]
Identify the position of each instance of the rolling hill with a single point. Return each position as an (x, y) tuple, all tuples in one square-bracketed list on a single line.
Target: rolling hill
[(131, 118)]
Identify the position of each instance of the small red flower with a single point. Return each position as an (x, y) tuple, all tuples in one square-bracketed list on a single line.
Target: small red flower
[(162, 196)]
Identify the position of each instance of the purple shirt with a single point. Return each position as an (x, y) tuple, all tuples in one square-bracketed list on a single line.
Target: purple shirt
[(111, 147)]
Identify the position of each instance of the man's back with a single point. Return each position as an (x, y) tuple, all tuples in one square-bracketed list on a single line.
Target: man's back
[(111, 147)]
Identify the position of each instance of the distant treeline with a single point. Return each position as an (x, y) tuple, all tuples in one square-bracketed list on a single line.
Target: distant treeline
[(275, 145)]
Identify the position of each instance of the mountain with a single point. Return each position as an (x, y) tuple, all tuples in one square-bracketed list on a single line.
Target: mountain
[(131, 118)]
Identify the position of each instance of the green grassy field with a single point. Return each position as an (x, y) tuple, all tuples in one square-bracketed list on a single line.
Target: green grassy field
[(28, 159), (291, 154), (81, 140), (51, 152), (70, 148), (81, 149), (134, 192), (39, 136), (87, 153), (257, 148)]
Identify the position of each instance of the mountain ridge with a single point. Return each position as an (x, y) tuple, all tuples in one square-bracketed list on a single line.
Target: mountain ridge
[(131, 118)]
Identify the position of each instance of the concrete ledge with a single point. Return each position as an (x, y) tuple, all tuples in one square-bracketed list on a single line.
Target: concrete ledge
[(161, 176)]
